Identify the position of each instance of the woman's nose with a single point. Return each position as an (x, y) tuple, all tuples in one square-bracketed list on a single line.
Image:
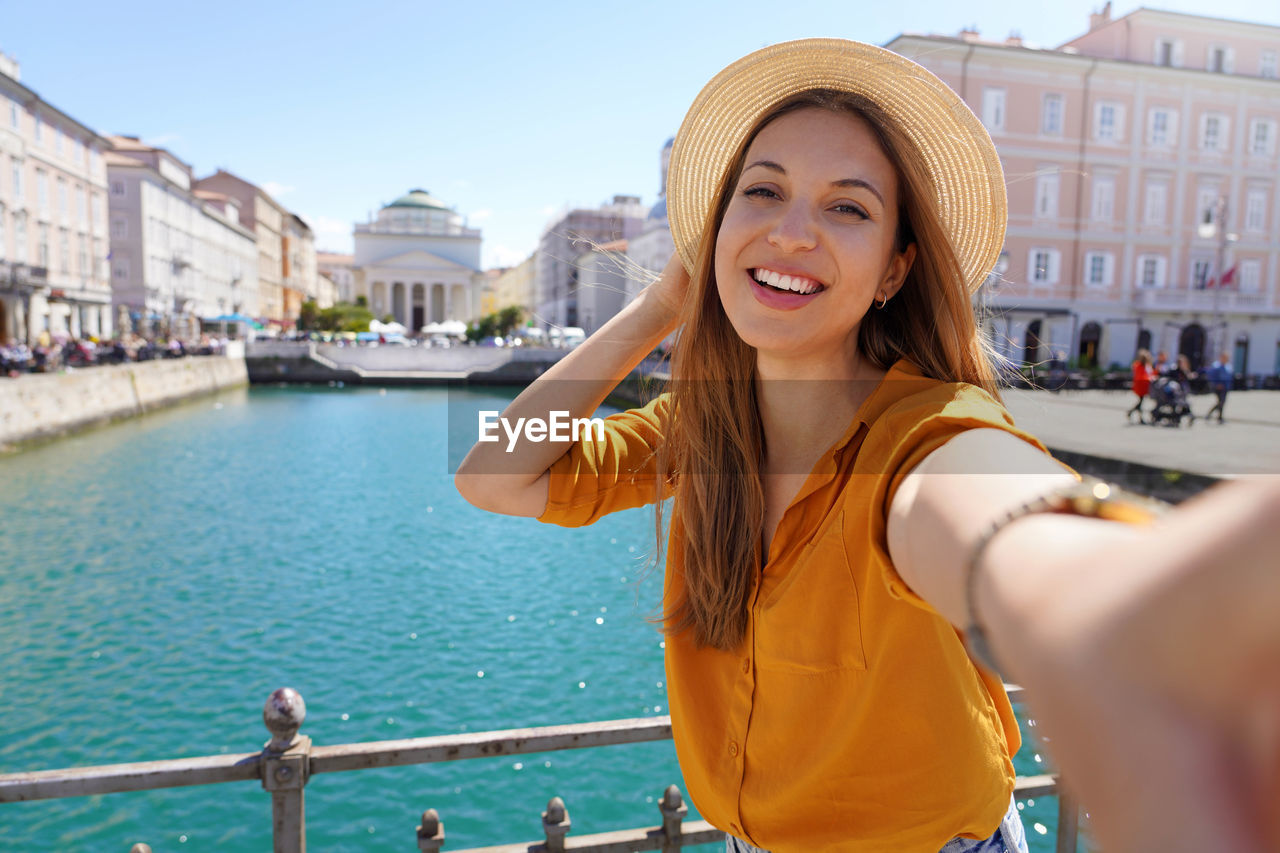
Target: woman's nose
[(793, 230)]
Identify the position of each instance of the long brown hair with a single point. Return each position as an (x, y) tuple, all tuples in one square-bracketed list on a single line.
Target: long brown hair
[(714, 437)]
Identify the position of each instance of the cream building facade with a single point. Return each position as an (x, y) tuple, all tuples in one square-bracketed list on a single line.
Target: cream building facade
[(53, 239), (177, 254), (298, 259), (265, 217), (338, 267), (566, 238), (419, 263), (1142, 164)]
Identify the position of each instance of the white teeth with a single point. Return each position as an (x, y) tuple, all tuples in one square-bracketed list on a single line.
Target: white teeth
[(797, 284)]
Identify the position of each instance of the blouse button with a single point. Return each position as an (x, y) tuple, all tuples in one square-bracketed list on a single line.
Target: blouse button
[(733, 748)]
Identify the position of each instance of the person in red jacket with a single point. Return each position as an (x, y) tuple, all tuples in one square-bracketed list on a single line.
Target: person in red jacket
[(1143, 373)]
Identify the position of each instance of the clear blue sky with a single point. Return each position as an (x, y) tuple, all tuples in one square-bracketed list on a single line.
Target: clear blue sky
[(508, 111)]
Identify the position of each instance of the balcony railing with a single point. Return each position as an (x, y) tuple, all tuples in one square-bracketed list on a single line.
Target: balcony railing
[(289, 760), (1204, 301)]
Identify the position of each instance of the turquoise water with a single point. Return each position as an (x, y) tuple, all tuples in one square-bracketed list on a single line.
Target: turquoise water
[(160, 577)]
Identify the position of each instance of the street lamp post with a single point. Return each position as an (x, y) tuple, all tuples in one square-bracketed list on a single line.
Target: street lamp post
[(1217, 227)]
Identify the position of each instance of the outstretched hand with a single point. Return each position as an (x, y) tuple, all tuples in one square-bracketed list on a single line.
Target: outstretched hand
[(1162, 695)]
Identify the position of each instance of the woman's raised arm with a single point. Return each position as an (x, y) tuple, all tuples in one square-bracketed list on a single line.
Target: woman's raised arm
[(1151, 655), (510, 477)]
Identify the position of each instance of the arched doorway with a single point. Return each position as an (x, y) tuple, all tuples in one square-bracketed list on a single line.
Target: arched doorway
[(1144, 340), (1191, 344), (1031, 344), (1090, 335), (1240, 358)]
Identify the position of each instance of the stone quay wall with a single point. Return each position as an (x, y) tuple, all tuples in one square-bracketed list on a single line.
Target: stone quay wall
[(35, 406)]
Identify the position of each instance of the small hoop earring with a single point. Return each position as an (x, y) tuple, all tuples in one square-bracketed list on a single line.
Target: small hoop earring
[(883, 301)]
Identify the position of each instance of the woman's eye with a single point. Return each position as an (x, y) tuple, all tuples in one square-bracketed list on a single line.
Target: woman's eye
[(759, 192), (850, 210)]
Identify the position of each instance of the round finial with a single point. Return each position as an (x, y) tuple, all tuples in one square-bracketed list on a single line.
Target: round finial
[(430, 823), (283, 714), (555, 811)]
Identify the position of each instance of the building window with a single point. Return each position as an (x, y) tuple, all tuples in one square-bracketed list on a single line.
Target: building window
[(1262, 137), (1206, 206), (82, 210), (1213, 132), (96, 203), (64, 250), (57, 140), (1098, 268), (1043, 266), (1051, 115), (1268, 65), (42, 246), (117, 189), (1108, 122), (82, 257), (1200, 270), (42, 192), (64, 202), (1255, 212), (1104, 199), (120, 269), (1161, 127), (1168, 52), (1250, 276), (20, 237), (993, 101), (1156, 204), (14, 121), (119, 228), (1219, 59), (1151, 270), (17, 181), (1047, 194), (39, 135)]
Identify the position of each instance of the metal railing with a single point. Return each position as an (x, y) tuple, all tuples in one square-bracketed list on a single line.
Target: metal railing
[(289, 760)]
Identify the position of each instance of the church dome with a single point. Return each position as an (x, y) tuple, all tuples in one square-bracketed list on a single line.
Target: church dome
[(419, 199)]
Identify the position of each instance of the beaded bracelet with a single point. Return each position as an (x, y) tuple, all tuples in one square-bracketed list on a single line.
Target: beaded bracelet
[(1090, 498)]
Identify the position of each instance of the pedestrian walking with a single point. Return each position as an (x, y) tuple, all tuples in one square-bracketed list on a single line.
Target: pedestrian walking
[(1143, 373), (1220, 378)]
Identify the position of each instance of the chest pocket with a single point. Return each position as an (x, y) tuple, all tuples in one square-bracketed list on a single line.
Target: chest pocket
[(810, 622)]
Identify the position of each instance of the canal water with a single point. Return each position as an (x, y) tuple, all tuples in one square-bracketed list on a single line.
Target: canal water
[(161, 576)]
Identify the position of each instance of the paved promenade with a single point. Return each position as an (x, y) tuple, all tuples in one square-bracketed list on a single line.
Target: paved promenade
[(1093, 423)]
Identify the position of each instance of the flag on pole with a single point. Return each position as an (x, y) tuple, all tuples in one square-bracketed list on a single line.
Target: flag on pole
[(1229, 278)]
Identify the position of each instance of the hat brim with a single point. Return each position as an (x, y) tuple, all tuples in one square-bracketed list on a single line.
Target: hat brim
[(954, 146)]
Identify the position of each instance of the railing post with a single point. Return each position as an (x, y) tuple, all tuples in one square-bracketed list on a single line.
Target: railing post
[(1068, 821), (673, 814), (285, 768), (430, 832), (555, 825)]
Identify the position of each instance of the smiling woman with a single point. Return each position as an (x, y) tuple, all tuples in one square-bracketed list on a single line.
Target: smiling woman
[(843, 479)]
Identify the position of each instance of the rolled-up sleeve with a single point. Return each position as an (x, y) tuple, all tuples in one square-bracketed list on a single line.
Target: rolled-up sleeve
[(603, 474)]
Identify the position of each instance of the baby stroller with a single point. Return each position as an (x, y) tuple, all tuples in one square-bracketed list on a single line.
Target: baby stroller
[(1171, 403)]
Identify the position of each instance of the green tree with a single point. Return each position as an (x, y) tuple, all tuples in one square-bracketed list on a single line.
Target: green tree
[(309, 316)]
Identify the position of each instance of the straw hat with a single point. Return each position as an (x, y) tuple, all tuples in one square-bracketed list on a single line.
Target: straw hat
[(951, 140)]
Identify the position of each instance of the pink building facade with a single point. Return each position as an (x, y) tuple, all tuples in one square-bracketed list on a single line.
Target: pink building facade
[(1142, 162)]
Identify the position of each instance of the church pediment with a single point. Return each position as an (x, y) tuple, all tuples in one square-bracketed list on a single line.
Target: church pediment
[(418, 259)]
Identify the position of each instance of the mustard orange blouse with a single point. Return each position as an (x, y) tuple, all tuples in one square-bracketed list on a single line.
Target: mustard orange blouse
[(850, 717)]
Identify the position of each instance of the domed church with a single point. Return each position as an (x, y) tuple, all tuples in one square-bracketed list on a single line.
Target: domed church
[(419, 262)]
